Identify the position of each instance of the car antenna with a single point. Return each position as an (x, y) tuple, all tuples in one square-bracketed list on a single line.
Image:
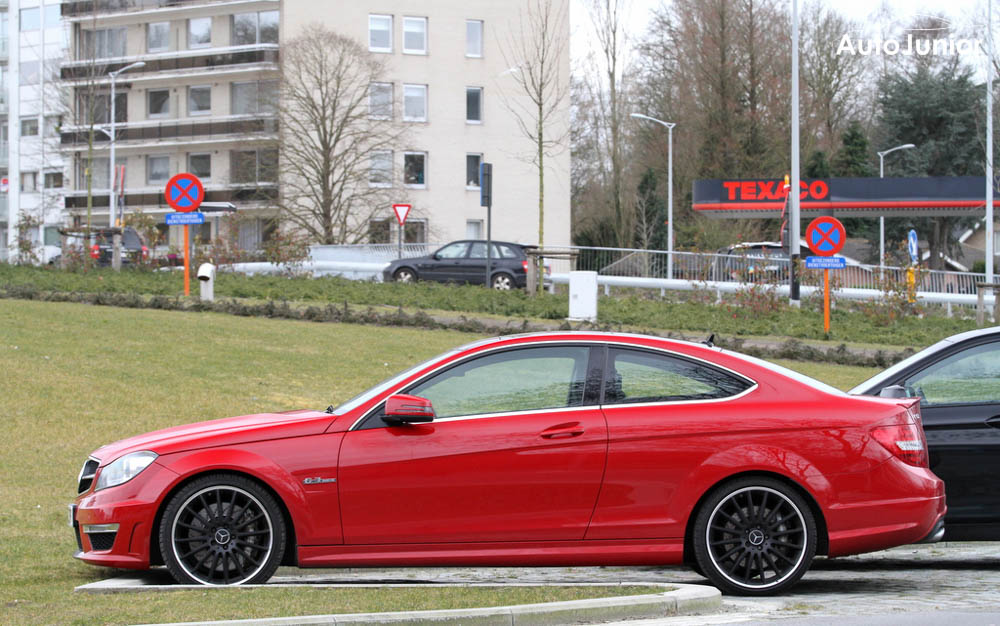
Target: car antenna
[(710, 341), (329, 409)]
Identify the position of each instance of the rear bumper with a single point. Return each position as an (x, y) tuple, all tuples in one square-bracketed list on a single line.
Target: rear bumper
[(936, 534)]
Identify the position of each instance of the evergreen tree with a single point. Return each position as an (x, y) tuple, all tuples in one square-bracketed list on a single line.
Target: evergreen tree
[(817, 166), (854, 157)]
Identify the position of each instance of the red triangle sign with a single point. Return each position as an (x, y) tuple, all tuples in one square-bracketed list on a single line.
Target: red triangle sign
[(402, 210)]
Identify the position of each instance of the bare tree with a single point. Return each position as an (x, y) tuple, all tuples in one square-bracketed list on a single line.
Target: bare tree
[(329, 142), (535, 51)]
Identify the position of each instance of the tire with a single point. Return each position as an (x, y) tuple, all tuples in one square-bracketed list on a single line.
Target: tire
[(203, 542), (502, 282), (404, 275), (754, 536)]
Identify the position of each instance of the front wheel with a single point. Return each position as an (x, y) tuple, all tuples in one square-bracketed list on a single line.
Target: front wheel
[(502, 282), (404, 275), (754, 537), (222, 530)]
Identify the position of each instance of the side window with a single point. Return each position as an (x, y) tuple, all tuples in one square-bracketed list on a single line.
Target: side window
[(971, 376), (513, 380), (453, 251), (638, 376), (478, 250)]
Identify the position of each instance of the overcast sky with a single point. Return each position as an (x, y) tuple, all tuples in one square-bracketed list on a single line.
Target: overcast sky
[(962, 13)]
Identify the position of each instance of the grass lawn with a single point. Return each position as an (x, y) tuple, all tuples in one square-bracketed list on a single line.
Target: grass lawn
[(77, 376)]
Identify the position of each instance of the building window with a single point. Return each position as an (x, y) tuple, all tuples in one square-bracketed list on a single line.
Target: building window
[(414, 35), (159, 102), (415, 231), (158, 37), (200, 165), (380, 231), (380, 101), (104, 43), (254, 98), (254, 166), (29, 73), (255, 28), (474, 105), (30, 19), (200, 100), (29, 181), (29, 127), (473, 229), (380, 174), (415, 103), (415, 169), (52, 124), (98, 172), (253, 232), (380, 33), (100, 108), (53, 15), (473, 38), (200, 32), (472, 162), (157, 169), (53, 180)]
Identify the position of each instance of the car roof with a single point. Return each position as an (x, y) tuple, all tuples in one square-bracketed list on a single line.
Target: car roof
[(879, 380), (494, 241)]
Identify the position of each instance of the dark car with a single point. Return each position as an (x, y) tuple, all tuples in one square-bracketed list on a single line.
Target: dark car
[(465, 262), (958, 383), (133, 245)]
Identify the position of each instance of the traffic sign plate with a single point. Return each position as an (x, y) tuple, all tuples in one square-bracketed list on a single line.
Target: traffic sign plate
[(184, 192), (911, 245), (179, 219), (825, 262), (402, 210), (826, 236)]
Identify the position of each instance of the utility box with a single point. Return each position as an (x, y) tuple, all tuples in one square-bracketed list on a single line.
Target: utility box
[(583, 296), (206, 277)]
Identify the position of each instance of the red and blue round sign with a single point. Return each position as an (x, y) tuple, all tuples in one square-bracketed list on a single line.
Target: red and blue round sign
[(825, 236), (184, 193)]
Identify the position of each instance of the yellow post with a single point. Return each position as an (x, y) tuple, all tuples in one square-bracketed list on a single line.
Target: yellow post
[(911, 285)]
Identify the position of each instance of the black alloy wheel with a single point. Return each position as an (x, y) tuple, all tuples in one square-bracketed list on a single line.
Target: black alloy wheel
[(404, 275), (754, 536), (502, 282), (222, 530)]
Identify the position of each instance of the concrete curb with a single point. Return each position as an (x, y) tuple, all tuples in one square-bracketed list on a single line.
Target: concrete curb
[(680, 599)]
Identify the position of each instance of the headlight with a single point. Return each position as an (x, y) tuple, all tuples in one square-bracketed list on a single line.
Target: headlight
[(124, 469)]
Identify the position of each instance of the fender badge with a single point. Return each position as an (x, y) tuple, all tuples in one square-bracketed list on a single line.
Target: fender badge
[(318, 480)]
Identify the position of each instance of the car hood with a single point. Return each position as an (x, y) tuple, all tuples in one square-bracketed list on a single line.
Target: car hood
[(221, 432)]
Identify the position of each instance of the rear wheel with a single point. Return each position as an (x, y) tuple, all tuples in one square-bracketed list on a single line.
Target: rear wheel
[(502, 282), (222, 530), (404, 275), (754, 536)]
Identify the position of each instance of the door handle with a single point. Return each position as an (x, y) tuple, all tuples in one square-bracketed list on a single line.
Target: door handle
[(563, 431), (994, 421)]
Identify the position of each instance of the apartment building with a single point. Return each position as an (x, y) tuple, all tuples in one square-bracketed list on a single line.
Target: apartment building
[(33, 41), (194, 93), (448, 79)]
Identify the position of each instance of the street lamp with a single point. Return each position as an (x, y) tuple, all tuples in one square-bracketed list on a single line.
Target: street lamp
[(670, 187), (881, 218), (112, 207)]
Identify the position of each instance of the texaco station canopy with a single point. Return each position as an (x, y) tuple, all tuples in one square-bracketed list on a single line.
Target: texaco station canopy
[(845, 197)]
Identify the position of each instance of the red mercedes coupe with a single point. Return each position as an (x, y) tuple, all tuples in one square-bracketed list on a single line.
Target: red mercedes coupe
[(531, 450)]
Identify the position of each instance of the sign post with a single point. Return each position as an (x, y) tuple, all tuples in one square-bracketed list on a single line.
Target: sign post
[(826, 237), (184, 194), (486, 200), (401, 210)]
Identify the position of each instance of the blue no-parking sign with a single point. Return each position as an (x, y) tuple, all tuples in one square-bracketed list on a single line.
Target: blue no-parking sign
[(911, 245)]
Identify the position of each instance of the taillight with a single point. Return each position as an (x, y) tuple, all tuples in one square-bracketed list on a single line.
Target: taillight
[(905, 441), (524, 264)]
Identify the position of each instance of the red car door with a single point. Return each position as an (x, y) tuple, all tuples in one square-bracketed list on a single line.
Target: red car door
[(515, 454)]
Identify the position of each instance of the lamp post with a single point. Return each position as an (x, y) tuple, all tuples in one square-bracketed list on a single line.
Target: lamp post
[(670, 187), (881, 218), (112, 206)]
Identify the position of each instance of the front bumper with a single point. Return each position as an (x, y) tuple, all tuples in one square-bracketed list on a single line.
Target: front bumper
[(114, 526)]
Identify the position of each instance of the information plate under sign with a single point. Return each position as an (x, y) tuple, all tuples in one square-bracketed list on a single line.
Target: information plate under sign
[(178, 219), (825, 262), (4, 185)]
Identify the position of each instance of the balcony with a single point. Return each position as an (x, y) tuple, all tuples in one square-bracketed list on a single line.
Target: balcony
[(200, 59), (85, 8), (238, 194), (184, 130)]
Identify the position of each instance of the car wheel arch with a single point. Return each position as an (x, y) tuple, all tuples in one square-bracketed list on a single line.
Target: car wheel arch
[(822, 533), (290, 554)]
